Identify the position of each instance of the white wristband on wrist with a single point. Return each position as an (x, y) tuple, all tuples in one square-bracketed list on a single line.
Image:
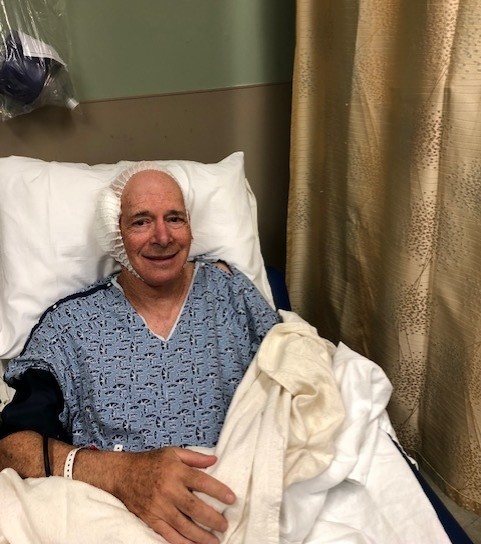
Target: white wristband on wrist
[(68, 468)]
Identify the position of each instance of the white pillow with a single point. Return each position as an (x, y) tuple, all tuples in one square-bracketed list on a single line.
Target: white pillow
[(48, 248)]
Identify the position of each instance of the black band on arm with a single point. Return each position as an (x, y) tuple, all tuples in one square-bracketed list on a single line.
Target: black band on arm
[(46, 458), (36, 406)]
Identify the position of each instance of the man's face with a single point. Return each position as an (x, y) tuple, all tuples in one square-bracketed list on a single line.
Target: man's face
[(155, 227)]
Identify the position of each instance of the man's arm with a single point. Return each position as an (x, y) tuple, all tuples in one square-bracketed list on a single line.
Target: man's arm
[(156, 485)]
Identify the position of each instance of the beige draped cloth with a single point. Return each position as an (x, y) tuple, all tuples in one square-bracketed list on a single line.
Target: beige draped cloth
[(384, 221)]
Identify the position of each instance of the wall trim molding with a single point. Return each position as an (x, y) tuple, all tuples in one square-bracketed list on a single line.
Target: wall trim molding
[(188, 92)]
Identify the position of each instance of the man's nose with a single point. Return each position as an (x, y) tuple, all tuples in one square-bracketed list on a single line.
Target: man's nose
[(161, 234)]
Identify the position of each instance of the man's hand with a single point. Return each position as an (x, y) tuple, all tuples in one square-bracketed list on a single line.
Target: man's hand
[(158, 487)]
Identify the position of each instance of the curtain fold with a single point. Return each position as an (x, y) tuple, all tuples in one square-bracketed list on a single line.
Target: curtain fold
[(384, 219)]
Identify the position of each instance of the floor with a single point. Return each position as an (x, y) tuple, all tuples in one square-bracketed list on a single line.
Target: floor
[(470, 522)]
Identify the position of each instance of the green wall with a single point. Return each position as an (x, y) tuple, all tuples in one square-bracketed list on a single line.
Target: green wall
[(125, 48)]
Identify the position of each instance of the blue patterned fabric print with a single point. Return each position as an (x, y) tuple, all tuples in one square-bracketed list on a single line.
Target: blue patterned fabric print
[(122, 384)]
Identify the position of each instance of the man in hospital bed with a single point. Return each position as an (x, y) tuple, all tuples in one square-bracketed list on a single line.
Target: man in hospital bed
[(114, 380)]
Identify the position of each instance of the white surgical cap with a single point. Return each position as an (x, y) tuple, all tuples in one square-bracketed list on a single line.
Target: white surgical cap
[(107, 213)]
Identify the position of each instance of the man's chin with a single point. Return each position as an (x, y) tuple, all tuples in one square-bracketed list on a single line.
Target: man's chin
[(159, 278)]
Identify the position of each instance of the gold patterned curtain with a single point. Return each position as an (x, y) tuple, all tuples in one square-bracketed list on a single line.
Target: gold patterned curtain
[(384, 222)]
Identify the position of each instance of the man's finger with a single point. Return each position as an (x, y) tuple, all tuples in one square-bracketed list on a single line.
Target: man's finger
[(200, 512), (195, 458), (180, 529), (203, 483)]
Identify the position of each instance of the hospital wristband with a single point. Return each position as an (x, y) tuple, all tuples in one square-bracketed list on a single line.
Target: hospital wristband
[(68, 468)]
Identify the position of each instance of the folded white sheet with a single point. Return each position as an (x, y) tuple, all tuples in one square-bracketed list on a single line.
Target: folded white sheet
[(59, 511)]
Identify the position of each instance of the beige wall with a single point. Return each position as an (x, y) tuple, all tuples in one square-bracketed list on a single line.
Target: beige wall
[(203, 126)]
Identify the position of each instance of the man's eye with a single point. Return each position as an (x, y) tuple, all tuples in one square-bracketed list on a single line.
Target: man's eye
[(139, 222), (176, 221)]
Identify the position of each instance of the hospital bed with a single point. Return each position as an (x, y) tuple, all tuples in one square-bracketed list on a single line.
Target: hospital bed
[(369, 490)]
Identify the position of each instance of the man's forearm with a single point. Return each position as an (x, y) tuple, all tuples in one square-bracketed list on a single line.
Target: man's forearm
[(23, 451)]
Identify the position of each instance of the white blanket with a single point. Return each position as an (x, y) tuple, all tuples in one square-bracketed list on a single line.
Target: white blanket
[(304, 446)]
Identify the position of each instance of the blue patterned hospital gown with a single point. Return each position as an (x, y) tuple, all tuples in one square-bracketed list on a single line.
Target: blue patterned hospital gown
[(122, 384)]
